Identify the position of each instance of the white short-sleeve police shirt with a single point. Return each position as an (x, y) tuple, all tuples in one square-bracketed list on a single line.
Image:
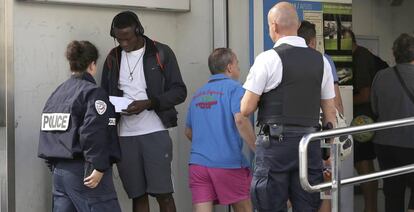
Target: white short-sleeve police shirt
[(266, 72)]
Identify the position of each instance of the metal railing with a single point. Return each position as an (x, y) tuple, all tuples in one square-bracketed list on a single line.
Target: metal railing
[(336, 183)]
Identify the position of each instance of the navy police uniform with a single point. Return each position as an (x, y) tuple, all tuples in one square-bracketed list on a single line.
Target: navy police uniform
[(286, 113), (78, 134)]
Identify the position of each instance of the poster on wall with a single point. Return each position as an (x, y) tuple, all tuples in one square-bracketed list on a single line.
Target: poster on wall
[(330, 20), (315, 17), (336, 18)]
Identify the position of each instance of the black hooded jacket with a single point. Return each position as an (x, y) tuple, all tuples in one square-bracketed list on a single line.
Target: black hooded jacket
[(165, 86)]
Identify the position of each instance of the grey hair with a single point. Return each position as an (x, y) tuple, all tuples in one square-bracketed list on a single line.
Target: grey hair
[(403, 48), (219, 59)]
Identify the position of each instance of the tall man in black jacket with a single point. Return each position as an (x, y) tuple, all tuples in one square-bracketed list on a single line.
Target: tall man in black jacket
[(146, 72)]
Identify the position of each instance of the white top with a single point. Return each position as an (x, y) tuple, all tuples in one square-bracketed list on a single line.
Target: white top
[(266, 72), (147, 121)]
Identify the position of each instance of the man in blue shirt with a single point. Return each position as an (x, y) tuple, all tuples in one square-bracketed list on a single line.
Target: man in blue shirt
[(219, 172)]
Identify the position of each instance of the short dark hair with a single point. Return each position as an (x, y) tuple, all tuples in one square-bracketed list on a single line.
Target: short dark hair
[(403, 48), (344, 31), (80, 54), (307, 31), (219, 59), (125, 19)]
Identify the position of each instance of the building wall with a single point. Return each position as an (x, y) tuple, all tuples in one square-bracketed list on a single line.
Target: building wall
[(194, 44), (239, 34), (378, 18)]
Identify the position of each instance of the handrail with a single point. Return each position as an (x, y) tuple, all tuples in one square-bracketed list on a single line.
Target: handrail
[(303, 146), (363, 178), (336, 181)]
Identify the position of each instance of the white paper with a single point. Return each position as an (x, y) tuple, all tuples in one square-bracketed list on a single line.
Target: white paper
[(120, 103)]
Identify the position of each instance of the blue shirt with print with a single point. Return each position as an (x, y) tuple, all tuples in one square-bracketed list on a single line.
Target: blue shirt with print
[(216, 142)]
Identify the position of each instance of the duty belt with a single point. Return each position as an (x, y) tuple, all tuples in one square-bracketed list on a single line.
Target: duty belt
[(276, 129), (277, 132)]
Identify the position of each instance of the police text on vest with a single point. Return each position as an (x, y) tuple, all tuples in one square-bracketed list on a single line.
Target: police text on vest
[(55, 121)]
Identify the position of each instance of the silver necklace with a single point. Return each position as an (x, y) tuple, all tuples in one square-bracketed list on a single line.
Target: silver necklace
[(132, 71)]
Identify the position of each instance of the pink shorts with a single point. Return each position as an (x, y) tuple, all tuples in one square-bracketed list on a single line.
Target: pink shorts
[(222, 186)]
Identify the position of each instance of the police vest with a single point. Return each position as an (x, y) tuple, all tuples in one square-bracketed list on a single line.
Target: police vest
[(296, 100)]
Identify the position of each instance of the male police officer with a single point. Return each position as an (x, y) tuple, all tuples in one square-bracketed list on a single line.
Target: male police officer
[(289, 84)]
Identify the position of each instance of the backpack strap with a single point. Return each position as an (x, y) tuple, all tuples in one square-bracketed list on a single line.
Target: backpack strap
[(160, 57), (407, 91)]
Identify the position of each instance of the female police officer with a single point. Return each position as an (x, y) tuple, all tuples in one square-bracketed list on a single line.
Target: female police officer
[(78, 138)]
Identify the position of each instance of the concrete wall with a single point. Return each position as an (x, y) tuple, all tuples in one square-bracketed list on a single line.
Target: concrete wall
[(378, 18), (239, 34), (194, 44)]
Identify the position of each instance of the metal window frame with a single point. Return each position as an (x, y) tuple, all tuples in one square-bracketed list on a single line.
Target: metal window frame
[(220, 23), (7, 160)]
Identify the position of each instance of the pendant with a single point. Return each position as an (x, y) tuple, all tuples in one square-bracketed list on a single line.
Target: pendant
[(130, 77)]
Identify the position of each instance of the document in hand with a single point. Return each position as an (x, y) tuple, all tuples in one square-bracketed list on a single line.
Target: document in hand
[(120, 103)]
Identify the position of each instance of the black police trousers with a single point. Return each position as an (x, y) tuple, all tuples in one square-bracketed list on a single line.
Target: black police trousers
[(276, 174)]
